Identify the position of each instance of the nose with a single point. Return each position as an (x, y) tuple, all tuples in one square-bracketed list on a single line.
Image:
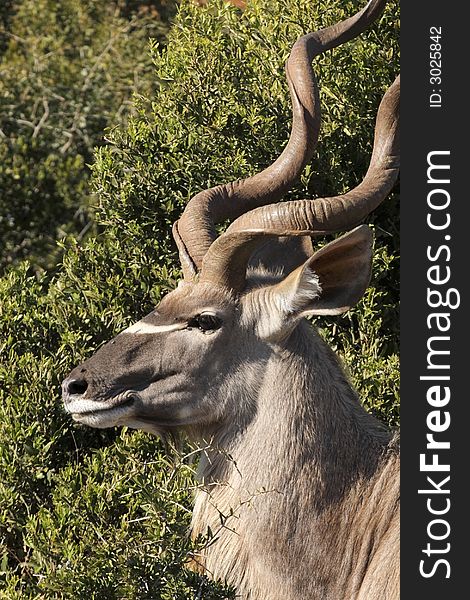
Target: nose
[(74, 386)]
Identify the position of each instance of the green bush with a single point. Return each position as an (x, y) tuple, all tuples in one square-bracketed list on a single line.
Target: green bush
[(68, 70), (103, 514)]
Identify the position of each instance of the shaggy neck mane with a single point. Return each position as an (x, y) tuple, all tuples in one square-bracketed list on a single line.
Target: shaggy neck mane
[(309, 458)]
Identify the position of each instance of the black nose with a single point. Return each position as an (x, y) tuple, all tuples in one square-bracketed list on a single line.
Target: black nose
[(75, 387)]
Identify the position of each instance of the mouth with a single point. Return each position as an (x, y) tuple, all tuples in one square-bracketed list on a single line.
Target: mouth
[(98, 413)]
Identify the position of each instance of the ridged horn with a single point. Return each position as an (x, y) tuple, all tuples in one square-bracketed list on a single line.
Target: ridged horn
[(195, 231), (226, 260)]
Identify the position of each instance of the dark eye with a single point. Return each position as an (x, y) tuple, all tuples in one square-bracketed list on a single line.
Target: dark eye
[(205, 322)]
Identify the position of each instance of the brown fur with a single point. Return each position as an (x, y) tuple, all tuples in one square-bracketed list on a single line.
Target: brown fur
[(299, 484), (305, 503)]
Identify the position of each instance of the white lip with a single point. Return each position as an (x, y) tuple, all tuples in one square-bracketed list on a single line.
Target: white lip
[(78, 407), (100, 414)]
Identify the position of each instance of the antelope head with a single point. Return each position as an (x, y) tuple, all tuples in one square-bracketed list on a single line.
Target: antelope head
[(196, 360)]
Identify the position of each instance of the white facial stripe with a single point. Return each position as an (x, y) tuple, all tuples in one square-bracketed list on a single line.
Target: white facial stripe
[(141, 328)]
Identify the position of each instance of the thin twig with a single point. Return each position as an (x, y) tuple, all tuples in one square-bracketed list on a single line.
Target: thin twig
[(43, 119)]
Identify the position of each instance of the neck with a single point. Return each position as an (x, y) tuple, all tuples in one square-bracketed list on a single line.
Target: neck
[(307, 415), (308, 447)]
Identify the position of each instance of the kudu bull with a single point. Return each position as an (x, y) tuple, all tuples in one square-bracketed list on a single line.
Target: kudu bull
[(299, 483)]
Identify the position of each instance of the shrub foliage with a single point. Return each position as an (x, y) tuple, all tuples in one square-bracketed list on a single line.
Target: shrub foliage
[(104, 514), (68, 70)]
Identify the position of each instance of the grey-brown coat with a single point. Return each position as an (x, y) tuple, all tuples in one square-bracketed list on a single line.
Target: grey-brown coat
[(299, 484)]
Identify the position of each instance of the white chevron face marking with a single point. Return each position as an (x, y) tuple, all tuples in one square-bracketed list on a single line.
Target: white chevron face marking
[(141, 328)]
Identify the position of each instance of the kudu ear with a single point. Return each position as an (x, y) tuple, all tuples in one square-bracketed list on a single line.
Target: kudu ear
[(332, 280)]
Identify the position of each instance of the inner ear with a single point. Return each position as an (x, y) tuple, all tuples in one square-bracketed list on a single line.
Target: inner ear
[(332, 280), (343, 268), (328, 283)]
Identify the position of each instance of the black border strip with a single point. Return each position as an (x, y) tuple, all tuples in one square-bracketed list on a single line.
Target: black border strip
[(435, 350)]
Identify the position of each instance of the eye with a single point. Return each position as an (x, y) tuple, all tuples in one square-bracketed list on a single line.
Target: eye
[(205, 322)]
